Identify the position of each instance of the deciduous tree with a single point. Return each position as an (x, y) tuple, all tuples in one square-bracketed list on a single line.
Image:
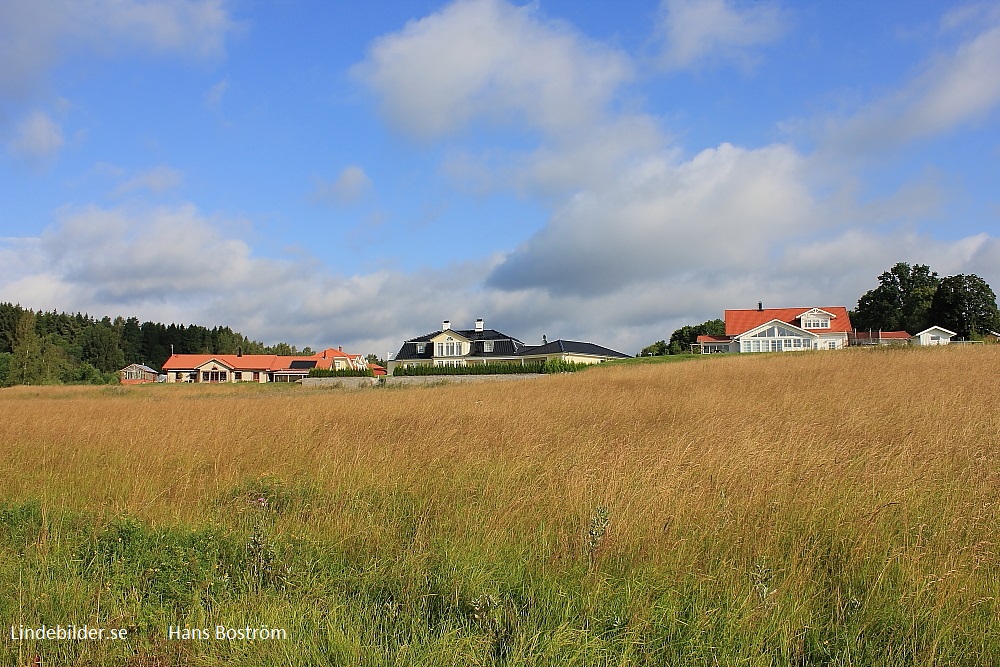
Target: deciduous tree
[(681, 339), (35, 360), (902, 300), (966, 305)]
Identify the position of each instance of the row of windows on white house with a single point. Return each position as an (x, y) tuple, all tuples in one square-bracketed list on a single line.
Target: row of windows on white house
[(218, 376), (781, 344), (452, 349)]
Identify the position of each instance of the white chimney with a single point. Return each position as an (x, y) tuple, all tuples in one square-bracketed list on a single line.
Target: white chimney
[(446, 325), (480, 324)]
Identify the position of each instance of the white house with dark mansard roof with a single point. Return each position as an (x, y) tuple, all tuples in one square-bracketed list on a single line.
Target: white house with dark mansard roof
[(479, 345)]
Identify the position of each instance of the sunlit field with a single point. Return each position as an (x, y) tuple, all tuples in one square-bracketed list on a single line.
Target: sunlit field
[(830, 508)]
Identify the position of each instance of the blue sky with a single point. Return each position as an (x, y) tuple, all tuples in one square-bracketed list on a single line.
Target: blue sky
[(353, 173)]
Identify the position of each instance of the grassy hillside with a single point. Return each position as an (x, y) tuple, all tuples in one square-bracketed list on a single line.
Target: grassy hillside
[(791, 509)]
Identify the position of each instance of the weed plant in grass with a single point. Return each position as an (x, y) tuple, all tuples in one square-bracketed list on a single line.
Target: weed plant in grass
[(834, 508)]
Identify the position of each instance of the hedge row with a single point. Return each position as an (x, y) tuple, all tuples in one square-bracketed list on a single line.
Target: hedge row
[(497, 368), (343, 373)]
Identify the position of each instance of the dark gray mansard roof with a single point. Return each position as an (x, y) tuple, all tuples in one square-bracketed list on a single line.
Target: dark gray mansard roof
[(503, 345), (469, 334), (572, 347)]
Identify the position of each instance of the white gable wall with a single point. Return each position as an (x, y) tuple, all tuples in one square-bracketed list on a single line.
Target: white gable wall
[(933, 336), (776, 336)]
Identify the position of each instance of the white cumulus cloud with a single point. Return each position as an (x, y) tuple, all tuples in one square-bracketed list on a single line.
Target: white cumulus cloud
[(37, 34), (215, 94), (722, 208), (952, 88), (351, 184), (488, 59), (36, 138), (156, 180), (696, 32)]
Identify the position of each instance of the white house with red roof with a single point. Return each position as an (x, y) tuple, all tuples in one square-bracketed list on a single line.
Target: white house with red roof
[(781, 330), (215, 368)]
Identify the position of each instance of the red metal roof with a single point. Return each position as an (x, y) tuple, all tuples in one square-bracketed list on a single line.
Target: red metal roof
[(179, 362), (707, 338), (740, 321)]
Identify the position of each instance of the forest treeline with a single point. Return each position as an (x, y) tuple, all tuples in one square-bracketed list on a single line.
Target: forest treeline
[(48, 348)]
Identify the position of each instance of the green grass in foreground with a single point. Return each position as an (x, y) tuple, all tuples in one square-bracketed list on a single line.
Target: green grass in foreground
[(417, 596)]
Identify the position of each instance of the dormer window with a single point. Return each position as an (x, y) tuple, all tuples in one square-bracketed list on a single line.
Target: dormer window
[(487, 346), (421, 347), (815, 323)]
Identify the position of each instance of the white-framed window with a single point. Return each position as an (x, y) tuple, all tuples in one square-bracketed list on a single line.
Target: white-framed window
[(449, 348), (421, 347), (815, 323), (831, 345), (487, 346)]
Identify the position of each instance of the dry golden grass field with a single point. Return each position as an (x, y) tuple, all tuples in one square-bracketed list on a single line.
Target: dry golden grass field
[(834, 508)]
